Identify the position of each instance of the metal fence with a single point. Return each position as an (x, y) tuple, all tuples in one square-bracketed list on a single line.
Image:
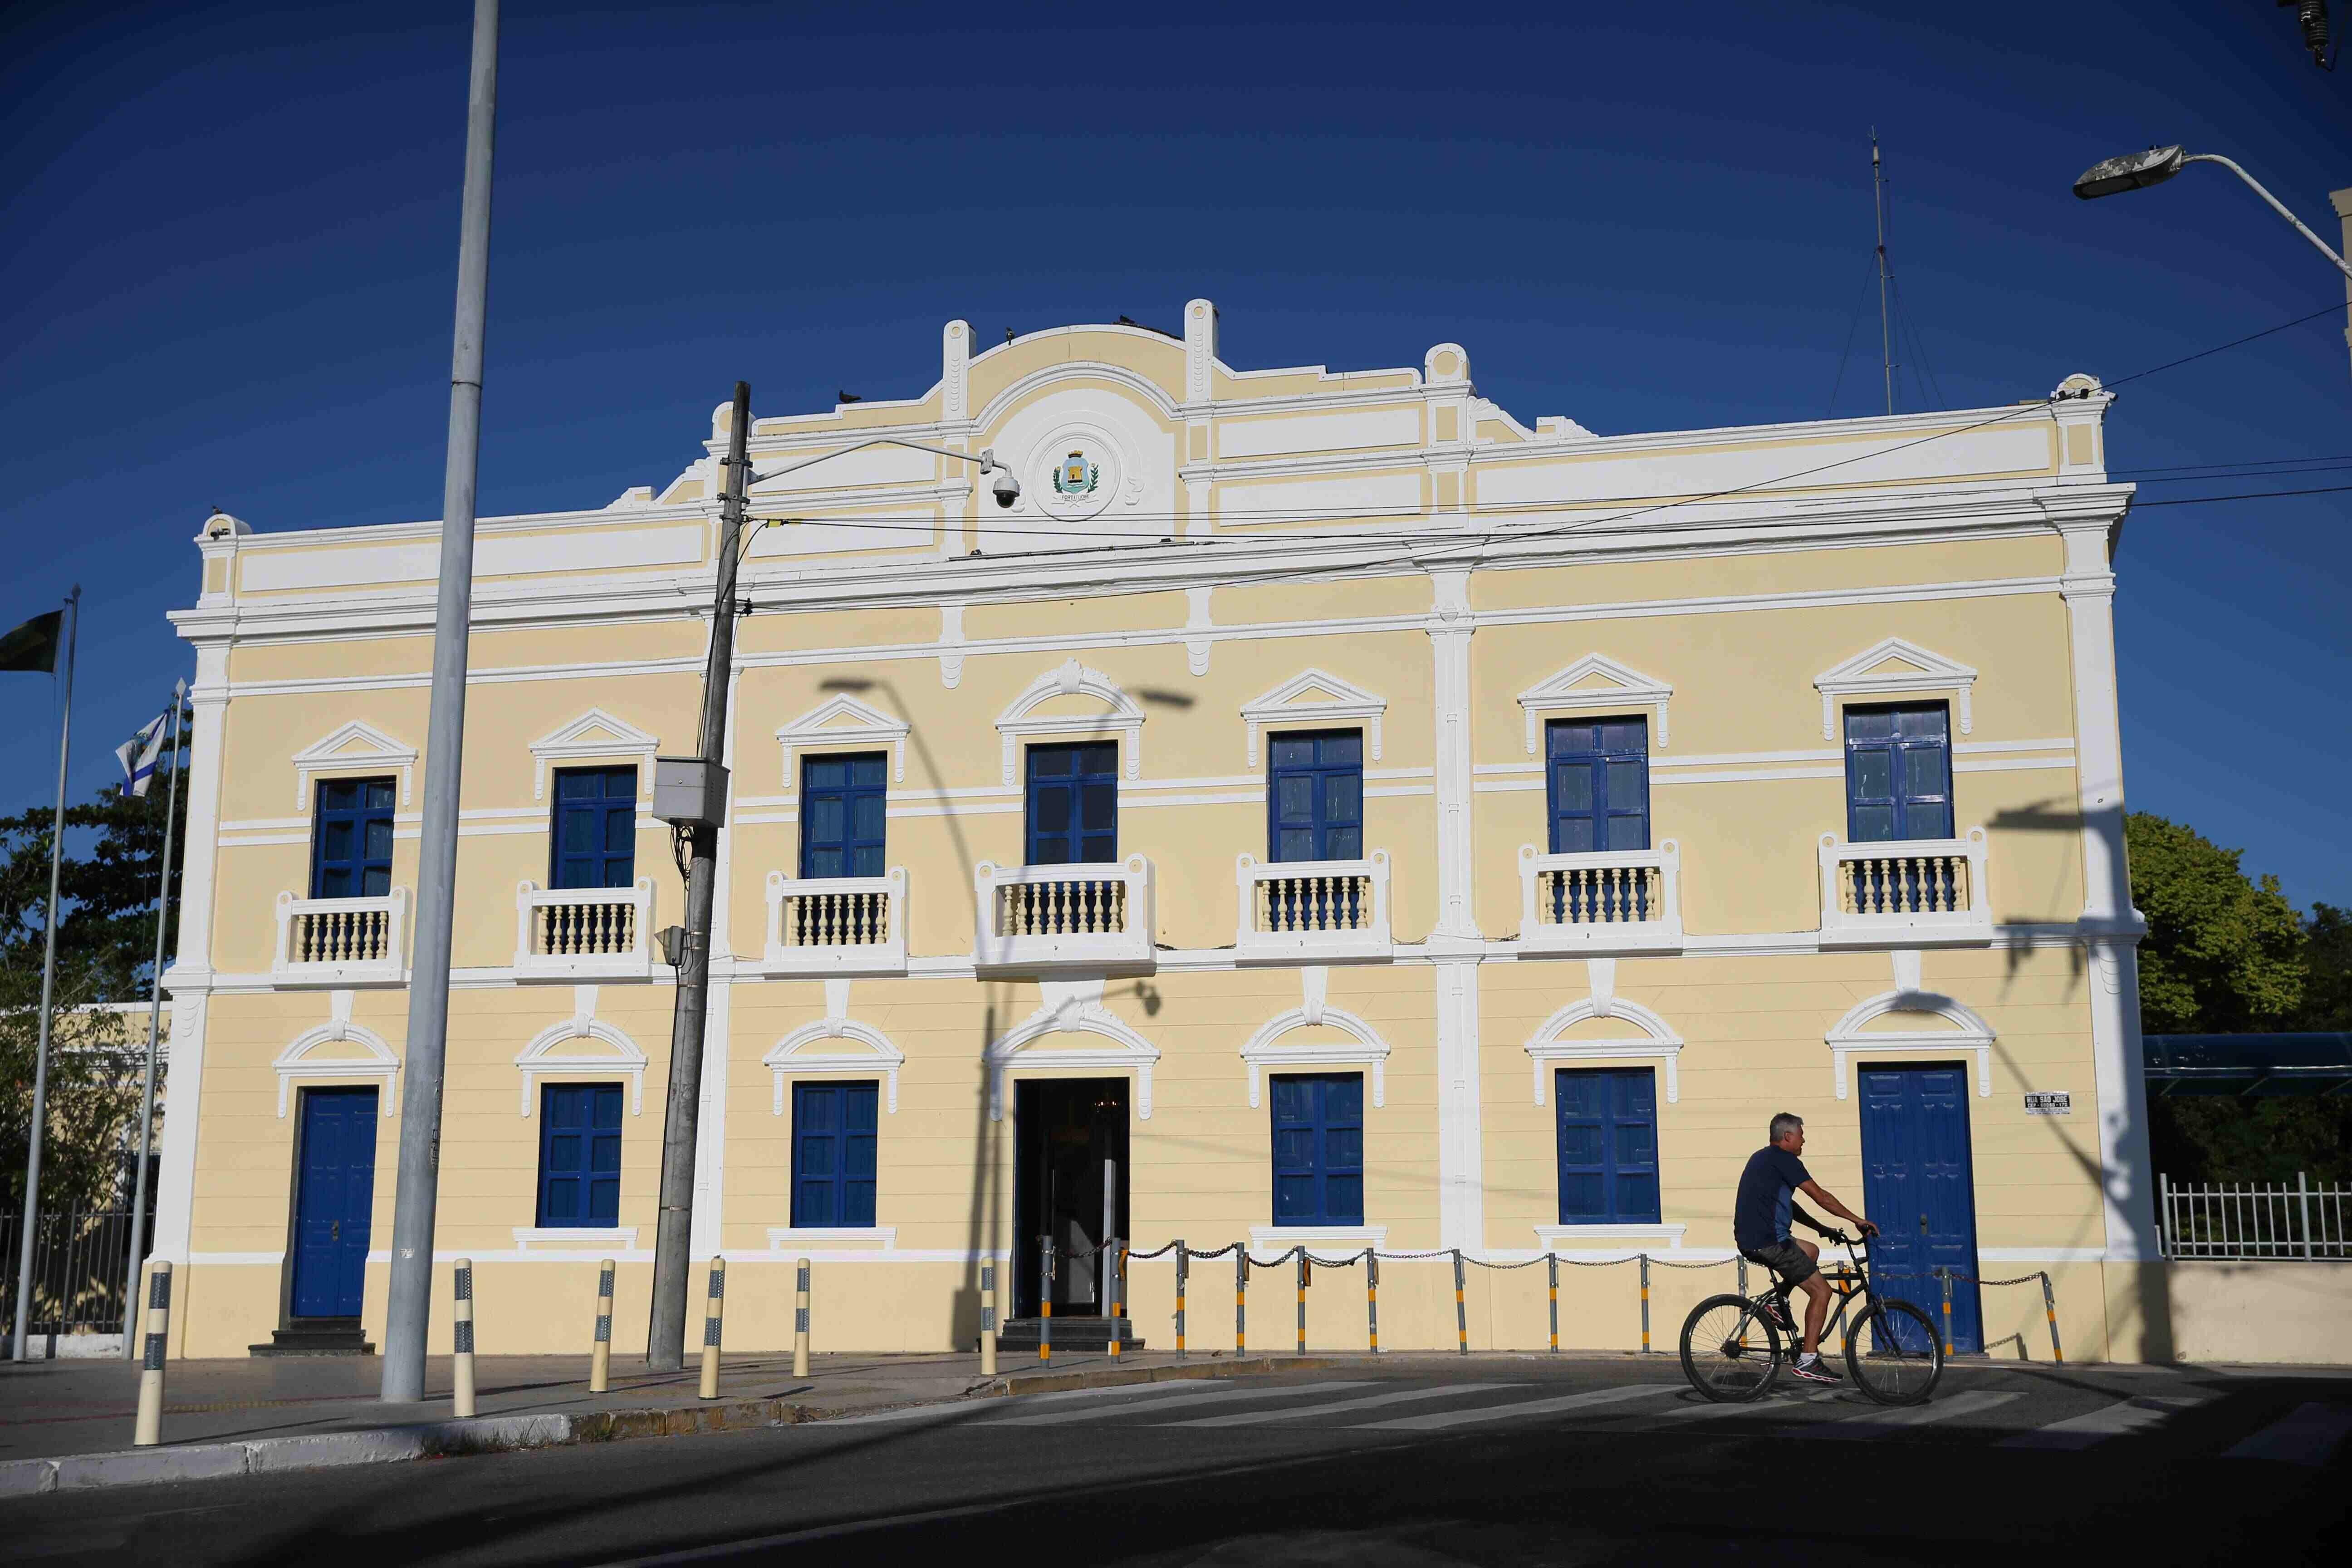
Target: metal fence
[(78, 1260), (2253, 1219)]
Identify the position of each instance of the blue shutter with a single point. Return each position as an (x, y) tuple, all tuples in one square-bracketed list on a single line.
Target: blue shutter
[(351, 840), (833, 1134), (1318, 1148), (1608, 1145), (1073, 805), (580, 1154), (841, 812), (1315, 796), (1599, 784), (1898, 772), (595, 828)]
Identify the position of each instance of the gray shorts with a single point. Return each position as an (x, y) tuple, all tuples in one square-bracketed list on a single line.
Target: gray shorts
[(1785, 1258)]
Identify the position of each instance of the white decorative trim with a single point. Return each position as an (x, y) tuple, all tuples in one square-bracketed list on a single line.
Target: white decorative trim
[(1655, 1042), (1929, 672), (1969, 1033), (1196, 620), (1842, 928), (1552, 1237), (1346, 703), (1071, 678), (1364, 1046), (617, 1237), (787, 1238), (1560, 694), (325, 755), (877, 1057), (1072, 1008), (868, 725), (544, 1058), (293, 1062), (885, 957), (567, 744), (1372, 940), (1287, 1237)]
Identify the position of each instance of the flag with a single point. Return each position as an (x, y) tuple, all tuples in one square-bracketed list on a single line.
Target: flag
[(33, 646), (138, 754)]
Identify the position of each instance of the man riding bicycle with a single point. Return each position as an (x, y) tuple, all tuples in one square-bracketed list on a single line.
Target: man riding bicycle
[(1760, 1216)]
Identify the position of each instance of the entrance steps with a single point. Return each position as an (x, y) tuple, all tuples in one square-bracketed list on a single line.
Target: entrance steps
[(317, 1336), (1071, 1333)]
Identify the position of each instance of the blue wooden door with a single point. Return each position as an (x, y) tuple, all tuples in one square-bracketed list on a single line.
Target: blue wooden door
[(1319, 1149), (334, 1194), (580, 1154), (1918, 1186), (832, 1153)]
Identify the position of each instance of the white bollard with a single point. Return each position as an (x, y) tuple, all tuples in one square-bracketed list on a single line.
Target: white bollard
[(801, 1322), (462, 1327), (599, 1360), (988, 1320), (150, 1428), (713, 1309)]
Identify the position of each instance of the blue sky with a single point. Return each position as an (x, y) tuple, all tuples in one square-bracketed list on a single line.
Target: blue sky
[(232, 232)]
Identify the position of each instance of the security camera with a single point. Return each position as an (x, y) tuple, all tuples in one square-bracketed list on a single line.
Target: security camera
[(1006, 488)]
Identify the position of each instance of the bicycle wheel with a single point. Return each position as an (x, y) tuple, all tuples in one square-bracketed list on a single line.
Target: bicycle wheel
[(1731, 1353), (1894, 1354)]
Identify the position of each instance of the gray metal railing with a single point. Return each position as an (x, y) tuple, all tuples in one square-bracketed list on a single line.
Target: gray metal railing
[(2253, 1219), (78, 1261)]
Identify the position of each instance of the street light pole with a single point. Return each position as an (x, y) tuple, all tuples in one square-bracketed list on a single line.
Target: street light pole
[(2136, 171), (409, 1309)]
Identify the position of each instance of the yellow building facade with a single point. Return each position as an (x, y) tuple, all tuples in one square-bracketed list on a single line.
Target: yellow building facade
[(1351, 816)]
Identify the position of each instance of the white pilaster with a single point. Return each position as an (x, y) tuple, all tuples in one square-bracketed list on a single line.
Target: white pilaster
[(1449, 635), (1461, 1170), (190, 976), (2112, 927)]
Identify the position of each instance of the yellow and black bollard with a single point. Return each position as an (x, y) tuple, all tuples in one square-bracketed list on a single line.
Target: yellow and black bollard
[(1183, 1262), (461, 1327), (1372, 1298), (714, 1311), (1304, 1269), (1461, 1311), (148, 1428), (1551, 1268), (599, 1357), (1645, 1303), (1945, 1274), (1241, 1299), (2050, 1311), (1045, 1298), (800, 1321)]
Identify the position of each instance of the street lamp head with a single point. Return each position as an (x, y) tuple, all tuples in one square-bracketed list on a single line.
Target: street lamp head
[(2129, 173)]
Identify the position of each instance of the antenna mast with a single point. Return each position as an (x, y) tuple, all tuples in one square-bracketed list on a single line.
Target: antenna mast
[(1878, 201)]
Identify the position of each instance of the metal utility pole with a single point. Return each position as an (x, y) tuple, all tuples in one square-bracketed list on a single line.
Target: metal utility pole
[(48, 997), (1878, 202), (682, 1118), (154, 1040), (410, 1308)]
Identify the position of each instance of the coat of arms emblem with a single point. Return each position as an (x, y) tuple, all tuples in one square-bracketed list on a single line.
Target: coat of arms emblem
[(1077, 477)]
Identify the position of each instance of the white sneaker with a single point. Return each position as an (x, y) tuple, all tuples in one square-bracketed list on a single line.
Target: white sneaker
[(1812, 1369)]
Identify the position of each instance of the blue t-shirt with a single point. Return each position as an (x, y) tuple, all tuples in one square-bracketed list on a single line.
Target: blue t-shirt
[(1759, 1213)]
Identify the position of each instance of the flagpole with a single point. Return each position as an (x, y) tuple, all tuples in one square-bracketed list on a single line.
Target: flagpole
[(48, 994), (154, 1036)]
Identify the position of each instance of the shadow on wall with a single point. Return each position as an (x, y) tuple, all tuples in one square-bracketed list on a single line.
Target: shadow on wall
[(2295, 1312)]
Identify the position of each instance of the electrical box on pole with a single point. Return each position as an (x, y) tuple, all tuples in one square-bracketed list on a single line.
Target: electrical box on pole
[(690, 792)]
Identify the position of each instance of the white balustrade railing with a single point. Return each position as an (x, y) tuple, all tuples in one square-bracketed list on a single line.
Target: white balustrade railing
[(341, 942), (1615, 901), (837, 925), (1923, 887), (2254, 1219), (583, 932), (1312, 910), (1061, 916)]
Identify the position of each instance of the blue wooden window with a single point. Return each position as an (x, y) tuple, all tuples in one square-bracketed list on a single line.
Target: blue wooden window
[(832, 1153), (1318, 1148), (1599, 784), (580, 1153), (1315, 799), (841, 815), (1608, 1145), (595, 828), (351, 840), (1073, 806), (1898, 772)]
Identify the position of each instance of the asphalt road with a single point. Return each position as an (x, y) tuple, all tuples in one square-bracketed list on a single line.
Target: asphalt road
[(1412, 1463)]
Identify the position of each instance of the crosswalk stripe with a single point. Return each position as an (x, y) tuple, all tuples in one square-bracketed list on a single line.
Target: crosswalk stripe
[(2306, 1436), (1752, 1407), (1099, 1413), (1876, 1423), (2111, 1421), (1261, 1418), (1137, 1392), (1440, 1419)]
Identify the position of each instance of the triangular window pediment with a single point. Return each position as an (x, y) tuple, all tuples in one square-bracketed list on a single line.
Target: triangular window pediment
[(1594, 682), (1894, 667), (595, 734), (839, 719), (1320, 697), (357, 744)]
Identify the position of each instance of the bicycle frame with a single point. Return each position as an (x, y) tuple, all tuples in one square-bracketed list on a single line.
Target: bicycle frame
[(1850, 1279)]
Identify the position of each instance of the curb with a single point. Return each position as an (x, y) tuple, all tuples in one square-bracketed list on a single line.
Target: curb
[(383, 1445)]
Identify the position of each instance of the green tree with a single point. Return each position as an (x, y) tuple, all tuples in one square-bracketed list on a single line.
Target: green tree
[(93, 1090), (2328, 956), (2223, 953)]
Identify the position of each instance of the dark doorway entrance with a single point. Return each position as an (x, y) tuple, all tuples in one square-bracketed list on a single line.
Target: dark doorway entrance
[(1065, 1129)]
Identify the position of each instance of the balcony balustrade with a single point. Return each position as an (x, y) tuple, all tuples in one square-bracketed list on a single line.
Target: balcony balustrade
[(1612, 901), (1312, 912), (837, 925), (1904, 892), (1063, 916), (583, 934), (341, 942)]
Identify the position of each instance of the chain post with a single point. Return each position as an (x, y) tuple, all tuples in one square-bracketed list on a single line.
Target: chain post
[(1645, 1303), (1944, 1273), (1241, 1299), (2050, 1311), (1183, 1273), (1372, 1297), (801, 1320), (1045, 1298), (1552, 1270), (600, 1353), (1461, 1311)]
